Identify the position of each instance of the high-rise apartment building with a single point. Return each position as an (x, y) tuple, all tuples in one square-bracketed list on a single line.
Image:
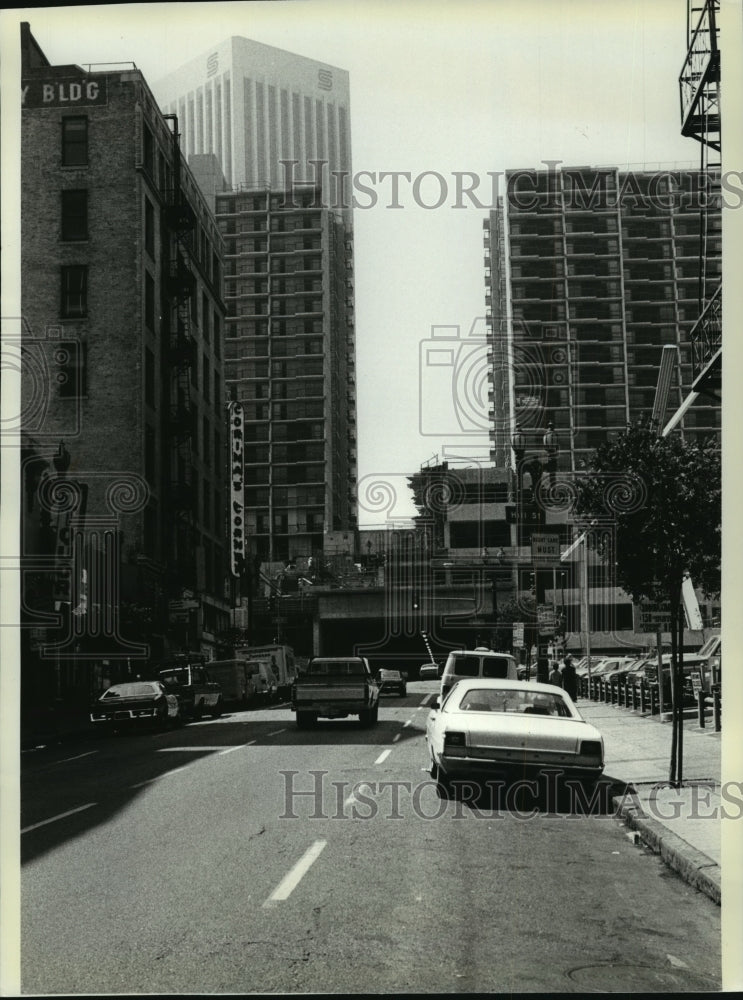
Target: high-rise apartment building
[(278, 125), (253, 105), (124, 419), (590, 272), (289, 359)]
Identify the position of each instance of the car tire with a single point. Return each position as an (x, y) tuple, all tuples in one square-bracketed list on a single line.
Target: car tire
[(306, 719), (402, 692), (198, 711), (217, 710), (369, 716)]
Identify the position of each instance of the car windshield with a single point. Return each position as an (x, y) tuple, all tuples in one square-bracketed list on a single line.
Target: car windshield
[(138, 690), (513, 701)]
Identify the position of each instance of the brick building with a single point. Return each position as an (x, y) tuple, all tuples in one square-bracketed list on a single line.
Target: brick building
[(122, 379)]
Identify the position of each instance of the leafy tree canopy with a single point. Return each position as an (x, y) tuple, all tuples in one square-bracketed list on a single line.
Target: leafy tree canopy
[(663, 496)]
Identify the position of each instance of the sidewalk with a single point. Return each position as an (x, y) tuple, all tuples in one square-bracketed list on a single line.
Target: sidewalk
[(681, 824)]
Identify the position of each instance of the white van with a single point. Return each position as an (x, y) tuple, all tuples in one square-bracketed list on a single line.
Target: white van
[(479, 662)]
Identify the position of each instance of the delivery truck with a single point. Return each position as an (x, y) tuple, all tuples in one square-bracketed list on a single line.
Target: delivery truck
[(244, 682), (281, 659)]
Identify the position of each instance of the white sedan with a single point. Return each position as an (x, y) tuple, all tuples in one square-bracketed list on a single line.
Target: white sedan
[(489, 727)]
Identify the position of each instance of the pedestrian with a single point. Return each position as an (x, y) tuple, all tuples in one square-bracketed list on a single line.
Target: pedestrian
[(569, 677), (555, 676)]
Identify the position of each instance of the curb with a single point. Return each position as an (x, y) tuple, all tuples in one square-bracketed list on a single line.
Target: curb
[(694, 867)]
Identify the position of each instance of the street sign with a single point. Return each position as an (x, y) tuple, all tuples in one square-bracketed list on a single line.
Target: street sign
[(546, 619), (518, 634), (653, 617), (696, 682), (545, 550), (182, 605)]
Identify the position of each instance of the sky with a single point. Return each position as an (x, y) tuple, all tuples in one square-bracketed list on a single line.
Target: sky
[(436, 88)]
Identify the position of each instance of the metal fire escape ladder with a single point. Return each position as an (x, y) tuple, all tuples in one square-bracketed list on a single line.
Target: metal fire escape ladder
[(699, 84)]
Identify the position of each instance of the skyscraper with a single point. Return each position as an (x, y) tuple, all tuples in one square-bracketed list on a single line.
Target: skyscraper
[(279, 126), (253, 106), (590, 272)]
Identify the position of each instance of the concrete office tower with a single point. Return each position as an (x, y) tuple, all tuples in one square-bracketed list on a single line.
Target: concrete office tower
[(123, 381), (589, 273), (253, 106), (290, 361)]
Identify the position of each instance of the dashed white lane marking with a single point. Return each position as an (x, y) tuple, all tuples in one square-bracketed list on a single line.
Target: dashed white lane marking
[(292, 879), (425, 700), (406, 724), (276, 732), (232, 749), (53, 819), (396, 738), (383, 756), (191, 749), (64, 760)]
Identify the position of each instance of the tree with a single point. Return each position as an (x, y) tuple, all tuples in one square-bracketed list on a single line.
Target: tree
[(662, 498)]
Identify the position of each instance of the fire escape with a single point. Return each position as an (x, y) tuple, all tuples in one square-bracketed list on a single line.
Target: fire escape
[(699, 84), (179, 221)]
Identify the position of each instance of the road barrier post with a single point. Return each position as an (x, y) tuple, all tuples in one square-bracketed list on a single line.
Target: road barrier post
[(701, 701)]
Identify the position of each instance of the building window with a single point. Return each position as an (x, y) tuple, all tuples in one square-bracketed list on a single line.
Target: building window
[(149, 301), (74, 142), (74, 215), (149, 228), (74, 303)]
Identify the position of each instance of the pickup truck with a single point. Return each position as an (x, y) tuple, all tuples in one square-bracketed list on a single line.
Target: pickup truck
[(334, 687), (196, 692)]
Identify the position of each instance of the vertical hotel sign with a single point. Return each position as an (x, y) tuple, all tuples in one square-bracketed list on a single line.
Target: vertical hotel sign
[(237, 493)]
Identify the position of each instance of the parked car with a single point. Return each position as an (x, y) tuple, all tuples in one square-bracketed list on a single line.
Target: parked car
[(500, 727), (197, 693), (392, 680), (430, 671), (620, 670), (136, 702)]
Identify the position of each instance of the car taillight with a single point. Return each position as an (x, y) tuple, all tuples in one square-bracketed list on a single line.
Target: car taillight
[(454, 744), (592, 748)]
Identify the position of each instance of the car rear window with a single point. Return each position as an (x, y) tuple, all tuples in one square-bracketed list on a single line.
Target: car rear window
[(495, 666), (132, 690), (336, 668), (509, 700), (466, 666)]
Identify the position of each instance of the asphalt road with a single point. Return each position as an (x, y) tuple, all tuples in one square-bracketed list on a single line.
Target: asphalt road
[(244, 855)]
